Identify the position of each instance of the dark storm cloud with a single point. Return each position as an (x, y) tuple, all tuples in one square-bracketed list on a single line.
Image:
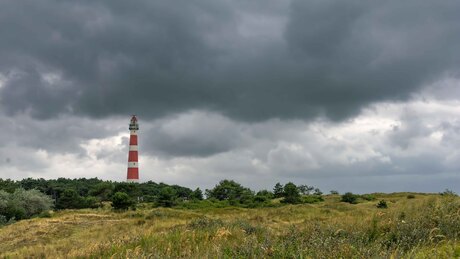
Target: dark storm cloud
[(296, 59)]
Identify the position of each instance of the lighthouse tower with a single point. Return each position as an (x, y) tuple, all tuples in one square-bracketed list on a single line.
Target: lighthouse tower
[(133, 163)]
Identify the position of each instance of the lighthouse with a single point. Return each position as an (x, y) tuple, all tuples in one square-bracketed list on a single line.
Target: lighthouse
[(133, 163)]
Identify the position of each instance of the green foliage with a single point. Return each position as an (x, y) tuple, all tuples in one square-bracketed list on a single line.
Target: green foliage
[(350, 198), (291, 194), (448, 192), (368, 197), (197, 194), (382, 204), (278, 191), (205, 223), (312, 199), (262, 198), (334, 192), (122, 201), (411, 196), (103, 191), (166, 197), (305, 189), (318, 192), (70, 199), (23, 204), (231, 191)]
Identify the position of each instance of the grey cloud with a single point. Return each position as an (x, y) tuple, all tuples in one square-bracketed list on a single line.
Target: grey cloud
[(195, 133), (309, 58)]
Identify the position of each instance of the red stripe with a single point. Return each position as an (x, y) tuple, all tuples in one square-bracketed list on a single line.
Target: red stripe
[(133, 140), (132, 156), (133, 173)]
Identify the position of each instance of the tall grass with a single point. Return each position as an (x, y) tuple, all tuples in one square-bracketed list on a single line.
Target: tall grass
[(426, 226)]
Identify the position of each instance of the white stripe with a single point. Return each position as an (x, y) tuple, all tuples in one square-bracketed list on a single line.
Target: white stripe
[(133, 132), (132, 180), (133, 164), (133, 148)]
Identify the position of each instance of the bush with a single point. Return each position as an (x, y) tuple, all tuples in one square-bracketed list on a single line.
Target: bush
[(166, 197), (22, 204), (334, 192), (232, 191), (121, 201), (291, 194), (382, 204), (368, 197), (350, 198), (312, 199), (411, 196)]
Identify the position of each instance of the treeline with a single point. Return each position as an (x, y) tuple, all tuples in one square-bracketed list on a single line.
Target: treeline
[(92, 193)]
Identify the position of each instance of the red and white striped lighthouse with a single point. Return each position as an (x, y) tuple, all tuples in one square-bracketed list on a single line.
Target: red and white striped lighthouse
[(133, 163)]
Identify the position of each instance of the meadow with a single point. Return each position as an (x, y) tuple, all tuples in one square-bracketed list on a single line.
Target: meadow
[(413, 226)]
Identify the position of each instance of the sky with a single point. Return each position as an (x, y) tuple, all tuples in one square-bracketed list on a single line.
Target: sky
[(360, 96)]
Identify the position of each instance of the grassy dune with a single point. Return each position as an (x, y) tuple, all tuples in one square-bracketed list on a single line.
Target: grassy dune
[(427, 226)]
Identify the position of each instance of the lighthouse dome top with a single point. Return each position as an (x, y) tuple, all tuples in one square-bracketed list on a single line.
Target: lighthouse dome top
[(134, 125)]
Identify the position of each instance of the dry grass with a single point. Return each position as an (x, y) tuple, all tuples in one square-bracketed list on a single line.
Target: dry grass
[(425, 227)]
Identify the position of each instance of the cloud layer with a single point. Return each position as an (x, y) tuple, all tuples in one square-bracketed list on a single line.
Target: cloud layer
[(290, 59), (349, 95)]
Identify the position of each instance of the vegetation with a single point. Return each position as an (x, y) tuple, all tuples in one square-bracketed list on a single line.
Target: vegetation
[(382, 204), (122, 201), (232, 221), (350, 198), (22, 204), (427, 226)]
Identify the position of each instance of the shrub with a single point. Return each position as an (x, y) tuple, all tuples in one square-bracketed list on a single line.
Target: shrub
[(382, 204), (410, 196), (70, 199), (166, 197), (232, 191), (291, 194), (204, 223), (334, 192), (350, 198), (121, 201), (22, 204), (368, 197), (312, 199)]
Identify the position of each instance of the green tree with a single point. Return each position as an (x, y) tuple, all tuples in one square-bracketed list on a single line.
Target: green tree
[(305, 189), (122, 201), (291, 194), (197, 194), (350, 198), (167, 197), (103, 191), (278, 190), (70, 199), (22, 204), (231, 191)]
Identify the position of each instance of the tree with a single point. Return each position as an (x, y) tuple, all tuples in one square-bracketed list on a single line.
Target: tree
[(231, 191), (197, 194), (318, 192), (166, 197), (291, 194), (22, 204), (122, 201), (278, 190), (334, 192), (70, 199), (305, 189), (102, 190), (350, 198)]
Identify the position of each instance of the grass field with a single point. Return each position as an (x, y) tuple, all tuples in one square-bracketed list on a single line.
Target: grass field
[(427, 226)]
